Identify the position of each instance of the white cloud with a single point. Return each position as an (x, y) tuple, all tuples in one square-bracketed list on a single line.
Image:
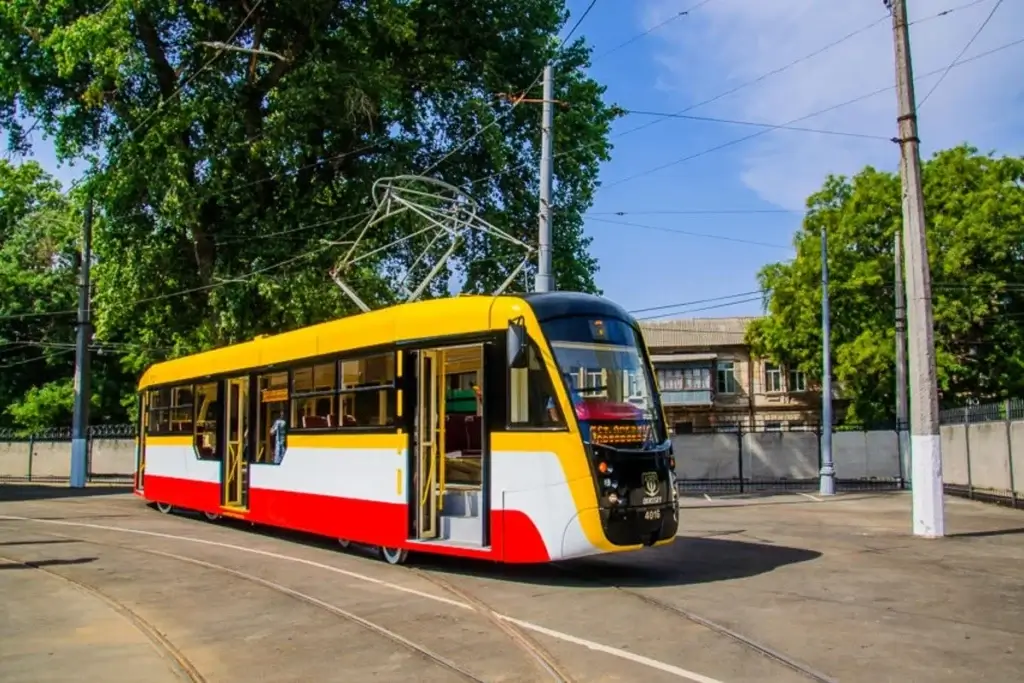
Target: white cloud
[(728, 42)]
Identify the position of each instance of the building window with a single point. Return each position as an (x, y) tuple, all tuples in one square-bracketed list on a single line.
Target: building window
[(684, 379), (797, 380), (670, 379), (772, 378), (683, 427), (773, 426), (726, 377)]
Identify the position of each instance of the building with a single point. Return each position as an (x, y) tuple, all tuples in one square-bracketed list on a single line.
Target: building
[(708, 379)]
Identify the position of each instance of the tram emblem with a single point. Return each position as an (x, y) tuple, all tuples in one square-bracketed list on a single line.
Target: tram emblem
[(651, 486)]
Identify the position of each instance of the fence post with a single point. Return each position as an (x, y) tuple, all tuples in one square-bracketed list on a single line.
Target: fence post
[(739, 454), (31, 452), (967, 451), (1009, 453)]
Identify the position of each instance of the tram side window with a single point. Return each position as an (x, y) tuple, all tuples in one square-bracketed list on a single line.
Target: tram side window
[(313, 395), (367, 394), (170, 410), (207, 424), (532, 398), (272, 417)]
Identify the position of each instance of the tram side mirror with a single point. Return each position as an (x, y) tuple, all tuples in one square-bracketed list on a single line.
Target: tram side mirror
[(516, 344)]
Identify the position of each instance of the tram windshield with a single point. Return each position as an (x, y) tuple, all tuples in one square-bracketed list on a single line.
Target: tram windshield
[(611, 387)]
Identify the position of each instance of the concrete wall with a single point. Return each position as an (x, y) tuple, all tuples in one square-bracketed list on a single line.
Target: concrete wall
[(985, 457), (108, 458), (784, 455)]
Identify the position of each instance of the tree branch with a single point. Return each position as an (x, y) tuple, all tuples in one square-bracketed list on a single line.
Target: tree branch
[(155, 52)]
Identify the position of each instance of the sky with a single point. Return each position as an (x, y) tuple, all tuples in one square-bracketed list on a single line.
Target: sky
[(744, 200)]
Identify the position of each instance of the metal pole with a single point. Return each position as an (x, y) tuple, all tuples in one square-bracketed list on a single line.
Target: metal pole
[(925, 447), (80, 425), (545, 280), (827, 474), (902, 433)]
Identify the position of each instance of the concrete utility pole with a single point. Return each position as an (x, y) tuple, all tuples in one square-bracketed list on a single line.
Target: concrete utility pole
[(80, 424), (925, 448), (545, 279), (827, 474), (903, 443)]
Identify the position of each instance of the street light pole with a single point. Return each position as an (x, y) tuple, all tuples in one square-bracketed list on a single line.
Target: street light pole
[(827, 474)]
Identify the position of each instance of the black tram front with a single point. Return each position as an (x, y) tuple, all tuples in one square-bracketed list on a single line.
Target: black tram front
[(608, 376)]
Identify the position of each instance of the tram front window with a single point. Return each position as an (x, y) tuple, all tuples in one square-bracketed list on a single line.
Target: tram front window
[(605, 374)]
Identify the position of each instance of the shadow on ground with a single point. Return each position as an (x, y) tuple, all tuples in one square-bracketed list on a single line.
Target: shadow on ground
[(40, 564), (14, 492), (689, 560)]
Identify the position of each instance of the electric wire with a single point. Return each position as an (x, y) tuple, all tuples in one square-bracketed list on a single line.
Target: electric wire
[(725, 238), (814, 114), (629, 41), (762, 77), (960, 54), (757, 124)]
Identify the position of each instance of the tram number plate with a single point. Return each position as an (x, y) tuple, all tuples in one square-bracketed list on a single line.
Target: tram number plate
[(652, 514)]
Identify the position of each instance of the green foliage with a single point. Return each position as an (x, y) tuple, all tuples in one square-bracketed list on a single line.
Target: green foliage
[(39, 259), (217, 166), (974, 209), (228, 174)]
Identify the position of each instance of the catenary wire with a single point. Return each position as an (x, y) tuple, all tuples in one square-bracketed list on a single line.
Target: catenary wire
[(960, 54), (643, 34), (690, 233), (757, 124), (754, 81), (797, 120)]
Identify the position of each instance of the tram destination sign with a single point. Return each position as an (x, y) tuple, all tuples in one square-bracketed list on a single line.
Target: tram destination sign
[(619, 433)]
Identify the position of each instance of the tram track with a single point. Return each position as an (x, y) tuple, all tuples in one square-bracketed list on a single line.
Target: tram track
[(193, 674), (541, 657), (180, 664), (713, 626)]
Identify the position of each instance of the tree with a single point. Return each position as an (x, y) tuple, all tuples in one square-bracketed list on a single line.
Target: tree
[(228, 174), (974, 209), (39, 263)]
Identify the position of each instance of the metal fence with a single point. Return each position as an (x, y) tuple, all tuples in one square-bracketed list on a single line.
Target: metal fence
[(787, 457), (983, 451), (45, 456)]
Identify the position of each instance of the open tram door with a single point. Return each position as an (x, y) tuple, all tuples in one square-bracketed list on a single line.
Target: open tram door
[(140, 443), (449, 445), (235, 474), (429, 440)]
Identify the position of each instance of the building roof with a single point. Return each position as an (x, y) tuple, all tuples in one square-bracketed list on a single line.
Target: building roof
[(695, 332)]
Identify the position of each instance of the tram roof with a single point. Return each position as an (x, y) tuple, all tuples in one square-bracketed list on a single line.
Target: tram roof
[(460, 315)]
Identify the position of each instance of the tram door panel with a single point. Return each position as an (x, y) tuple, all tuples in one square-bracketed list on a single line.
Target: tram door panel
[(235, 480), (430, 406), (140, 457)]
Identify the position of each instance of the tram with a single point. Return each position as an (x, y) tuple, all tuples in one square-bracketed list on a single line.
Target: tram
[(519, 429)]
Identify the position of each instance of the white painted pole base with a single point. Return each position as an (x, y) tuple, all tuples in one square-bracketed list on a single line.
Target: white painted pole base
[(926, 485)]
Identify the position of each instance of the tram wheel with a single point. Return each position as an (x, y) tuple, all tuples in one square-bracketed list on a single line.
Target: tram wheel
[(344, 542), (211, 516), (394, 555), (164, 508)]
